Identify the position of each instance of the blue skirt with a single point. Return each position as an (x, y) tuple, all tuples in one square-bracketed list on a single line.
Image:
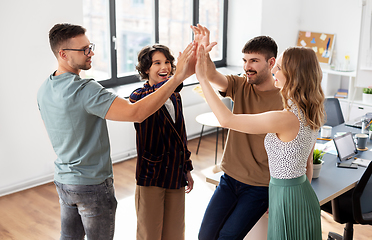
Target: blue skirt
[(294, 211)]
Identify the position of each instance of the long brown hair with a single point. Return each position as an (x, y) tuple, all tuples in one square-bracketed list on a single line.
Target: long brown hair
[(301, 68)]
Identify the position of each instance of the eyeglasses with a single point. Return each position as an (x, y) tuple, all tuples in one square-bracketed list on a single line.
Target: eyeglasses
[(85, 50)]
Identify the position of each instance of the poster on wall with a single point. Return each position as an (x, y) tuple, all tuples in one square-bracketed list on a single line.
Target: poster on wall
[(321, 43)]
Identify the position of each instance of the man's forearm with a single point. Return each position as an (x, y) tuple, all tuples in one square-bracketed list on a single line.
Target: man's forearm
[(151, 103), (122, 110)]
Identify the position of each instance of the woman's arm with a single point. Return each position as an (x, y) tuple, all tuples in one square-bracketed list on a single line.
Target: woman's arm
[(309, 165), (280, 122)]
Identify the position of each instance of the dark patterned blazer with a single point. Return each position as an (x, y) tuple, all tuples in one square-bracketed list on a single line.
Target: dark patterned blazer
[(162, 155)]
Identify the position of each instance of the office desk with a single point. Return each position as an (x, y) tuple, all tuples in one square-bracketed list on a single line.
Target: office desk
[(333, 181)]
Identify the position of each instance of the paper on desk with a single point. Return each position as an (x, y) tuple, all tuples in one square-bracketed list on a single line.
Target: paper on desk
[(362, 162), (328, 147)]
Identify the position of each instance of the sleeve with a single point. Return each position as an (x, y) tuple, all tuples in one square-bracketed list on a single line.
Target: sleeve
[(232, 81), (188, 163), (160, 84), (96, 99), (135, 95)]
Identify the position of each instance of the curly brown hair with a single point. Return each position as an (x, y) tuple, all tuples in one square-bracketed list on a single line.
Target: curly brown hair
[(303, 86), (145, 59)]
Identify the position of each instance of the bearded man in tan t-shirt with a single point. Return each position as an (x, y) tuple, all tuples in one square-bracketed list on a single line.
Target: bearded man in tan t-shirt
[(241, 197)]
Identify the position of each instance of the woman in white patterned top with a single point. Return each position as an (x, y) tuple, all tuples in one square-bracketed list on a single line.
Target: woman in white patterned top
[(294, 211)]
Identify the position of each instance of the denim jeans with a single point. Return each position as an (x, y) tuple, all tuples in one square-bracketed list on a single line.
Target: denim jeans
[(87, 210), (233, 210)]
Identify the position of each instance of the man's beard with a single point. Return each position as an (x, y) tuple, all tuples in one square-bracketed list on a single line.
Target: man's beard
[(257, 78), (85, 66)]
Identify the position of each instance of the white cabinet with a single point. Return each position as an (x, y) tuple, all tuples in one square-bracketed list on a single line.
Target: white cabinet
[(352, 106), (334, 80), (358, 109), (354, 109), (345, 105)]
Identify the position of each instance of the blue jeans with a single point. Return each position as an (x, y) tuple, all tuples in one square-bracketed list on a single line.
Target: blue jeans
[(87, 210), (233, 210)]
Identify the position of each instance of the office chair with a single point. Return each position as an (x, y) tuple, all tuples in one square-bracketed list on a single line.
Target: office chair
[(353, 207), (334, 117), (333, 110)]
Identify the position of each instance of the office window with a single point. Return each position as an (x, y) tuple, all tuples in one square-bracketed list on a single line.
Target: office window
[(175, 18), (121, 28), (138, 1), (211, 15), (134, 30), (96, 21)]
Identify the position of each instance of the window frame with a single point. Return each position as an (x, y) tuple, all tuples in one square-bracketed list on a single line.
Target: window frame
[(118, 81)]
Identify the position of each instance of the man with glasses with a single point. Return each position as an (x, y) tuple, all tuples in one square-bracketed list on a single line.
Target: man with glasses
[(85, 50), (74, 112)]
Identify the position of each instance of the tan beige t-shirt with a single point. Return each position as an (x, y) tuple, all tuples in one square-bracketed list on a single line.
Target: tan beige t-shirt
[(245, 158)]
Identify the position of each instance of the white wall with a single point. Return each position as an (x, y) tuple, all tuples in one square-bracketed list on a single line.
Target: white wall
[(26, 155), (282, 20), (334, 16), (247, 19), (244, 23)]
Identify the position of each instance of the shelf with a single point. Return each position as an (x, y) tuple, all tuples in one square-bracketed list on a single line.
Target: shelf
[(360, 102), (327, 69)]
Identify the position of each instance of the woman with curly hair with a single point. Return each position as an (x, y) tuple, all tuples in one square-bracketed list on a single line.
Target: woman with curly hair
[(163, 159)]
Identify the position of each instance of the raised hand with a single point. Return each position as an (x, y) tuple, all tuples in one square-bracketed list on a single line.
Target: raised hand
[(186, 61), (201, 36), (201, 64)]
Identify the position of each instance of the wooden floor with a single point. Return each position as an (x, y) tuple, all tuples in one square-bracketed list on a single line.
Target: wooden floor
[(34, 213)]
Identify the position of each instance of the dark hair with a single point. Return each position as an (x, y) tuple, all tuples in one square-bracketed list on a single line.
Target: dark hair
[(59, 34), (264, 45), (145, 59)]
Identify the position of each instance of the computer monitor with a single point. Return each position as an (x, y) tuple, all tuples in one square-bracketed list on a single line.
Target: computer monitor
[(346, 150)]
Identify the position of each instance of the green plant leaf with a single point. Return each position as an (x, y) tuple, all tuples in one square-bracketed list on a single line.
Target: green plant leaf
[(367, 90), (317, 156)]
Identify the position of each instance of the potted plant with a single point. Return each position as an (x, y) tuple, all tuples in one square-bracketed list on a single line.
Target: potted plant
[(317, 162), (367, 95)]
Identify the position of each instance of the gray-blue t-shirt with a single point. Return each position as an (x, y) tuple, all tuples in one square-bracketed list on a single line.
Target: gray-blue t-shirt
[(73, 111)]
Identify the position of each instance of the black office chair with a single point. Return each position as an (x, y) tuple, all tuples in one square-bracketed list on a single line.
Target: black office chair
[(333, 111), (334, 117), (353, 207)]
